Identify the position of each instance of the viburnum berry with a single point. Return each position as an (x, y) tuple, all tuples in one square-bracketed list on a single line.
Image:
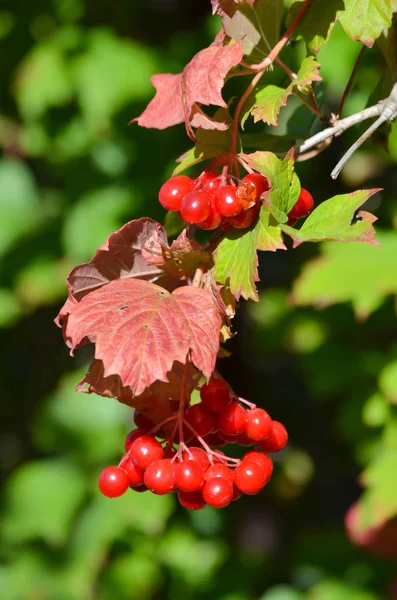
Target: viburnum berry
[(174, 190), (244, 440), (262, 460), (132, 436), (226, 201), (259, 424), (229, 439), (140, 488), (142, 421), (232, 419), (260, 182), (189, 476), (135, 474), (214, 440), (277, 439), (199, 456), (249, 477), (145, 450), (209, 180), (214, 218), (219, 470), (303, 206), (159, 477), (113, 482), (215, 395), (218, 492), (192, 500), (195, 207), (202, 421), (246, 218)]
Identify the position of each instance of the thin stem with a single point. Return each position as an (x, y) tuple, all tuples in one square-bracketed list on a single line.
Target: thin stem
[(236, 116), (311, 106), (351, 80), (286, 69)]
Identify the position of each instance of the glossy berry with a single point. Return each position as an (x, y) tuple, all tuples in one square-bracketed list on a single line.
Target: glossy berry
[(132, 436), (277, 439), (215, 395), (226, 201), (219, 470), (140, 488), (202, 421), (142, 421), (214, 440), (230, 439), (214, 218), (244, 440), (259, 424), (209, 180), (135, 474), (160, 476), (189, 476), (236, 493), (218, 492), (113, 482), (174, 190), (195, 207), (259, 181), (263, 461), (145, 450), (303, 206), (199, 456), (249, 477), (246, 218), (232, 419), (192, 500)]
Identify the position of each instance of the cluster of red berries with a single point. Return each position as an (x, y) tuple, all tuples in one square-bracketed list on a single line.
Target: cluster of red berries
[(214, 200), (185, 462)]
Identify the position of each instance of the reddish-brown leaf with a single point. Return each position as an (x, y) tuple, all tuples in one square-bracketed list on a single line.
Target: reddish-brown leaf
[(140, 329), (201, 82), (228, 7)]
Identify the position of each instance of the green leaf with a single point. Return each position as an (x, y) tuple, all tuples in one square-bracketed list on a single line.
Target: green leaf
[(361, 274), (282, 592), (376, 411), (307, 73), (365, 20), (236, 261), (41, 500), (285, 184), (388, 381), (332, 219), (339, 590), (9, 308), (318, 22), (268, 103)]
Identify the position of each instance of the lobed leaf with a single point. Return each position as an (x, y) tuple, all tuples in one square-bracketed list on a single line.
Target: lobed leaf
[(365, 20), (268, 103), (315, 28)]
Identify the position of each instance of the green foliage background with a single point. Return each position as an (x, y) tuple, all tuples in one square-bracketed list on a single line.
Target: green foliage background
[(73, 73)]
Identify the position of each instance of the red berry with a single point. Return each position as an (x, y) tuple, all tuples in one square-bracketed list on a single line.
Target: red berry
[(218, 492), (145, 450), (262, 460), (249, 477), (277, 439), (160, 476), (214, 440), (236, 493), (113, 482), (246, 218), (226, 201), (214, 218), (200, 419), (244, 440), (174, 190), (219, 470), (229, 439), (303, 206), (142, 421), (140, 488), (189, 476), (232, 419), (199, 456), (192, 500), (134, 473), (210, 180), (132, 436), (195, 207), (259, 424), (215, 395), (259, 181), (292, 222)]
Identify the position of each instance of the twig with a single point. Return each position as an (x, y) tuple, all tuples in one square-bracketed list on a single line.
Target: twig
[(351, 80), (311, 106)]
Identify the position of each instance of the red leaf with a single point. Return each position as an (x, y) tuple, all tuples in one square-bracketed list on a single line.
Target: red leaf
[(140, 329), (200, 120), (228, 7), (201, 82)]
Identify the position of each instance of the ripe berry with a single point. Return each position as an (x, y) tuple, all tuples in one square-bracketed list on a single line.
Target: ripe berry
[(145, 450), (259, 424), (214, 440), (199, 456), (277, 439), (226, 201), (132, 436), (195, 207), (292, 222), (214, 218), (249, 477), (160, 476), (189, 476), (236, 493), (262, 460), (142, 421), (244, 440), (174, 190), (209, 180), (215, 395), (219, 470), (192, 500), (218, 492), (113, 482), (135, 474), (303, 206), (140, 488), (232, 419), (259, 181), (246, 218), (200, 419)]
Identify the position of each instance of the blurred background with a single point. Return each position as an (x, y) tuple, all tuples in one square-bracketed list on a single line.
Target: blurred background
[(73, 73)]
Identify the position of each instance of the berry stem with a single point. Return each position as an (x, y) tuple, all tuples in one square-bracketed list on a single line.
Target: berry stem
[(244, 401)]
